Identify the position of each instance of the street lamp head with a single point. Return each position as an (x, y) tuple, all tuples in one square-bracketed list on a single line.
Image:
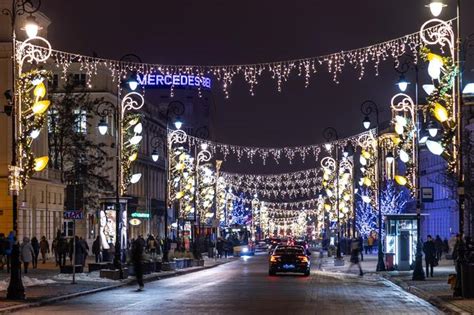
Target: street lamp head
[(178, 123), (402, 83), (132, 82), (390, 158), (366, 122), (432, 129), (102, 126), (436, 6), (31, 27), (468, 89), (155, 155)]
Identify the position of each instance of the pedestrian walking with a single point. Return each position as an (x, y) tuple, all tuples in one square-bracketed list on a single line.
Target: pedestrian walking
[(36, 249), (429, 249), (458, 257), (44, 248), (26, 253), (3, 249), (62, 249), (137, 257), (370, 243), (151, 245), (85, 250), (96, 249), (355, 251), (11, 239), (220, 247), (361, 242), (439, 247)]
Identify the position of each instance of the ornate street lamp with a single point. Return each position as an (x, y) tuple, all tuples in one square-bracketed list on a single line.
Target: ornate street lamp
[(18, 172), (330, 134), (131, 101), (367, 108)]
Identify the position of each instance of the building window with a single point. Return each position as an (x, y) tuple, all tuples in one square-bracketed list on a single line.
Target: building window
[(60, 199), (49, 198), (68, 228), (79, 79), (54, 83), (54, 198), (42, 196), (81, 121)]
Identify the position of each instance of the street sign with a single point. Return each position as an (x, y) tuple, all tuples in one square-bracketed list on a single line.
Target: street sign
[(427, 194), (141, 215), (73, 214)]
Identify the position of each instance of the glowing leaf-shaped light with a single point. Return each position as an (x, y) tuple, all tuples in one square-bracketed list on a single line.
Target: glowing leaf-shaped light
[(404, 156), (40, 107), (362, 160), (40, 163), (366, 154), (133, 157), (367, 181), (398, 129), (138, 128), (440, 112), (40, 90), (435, 65), (401, 120), (179, 195), (135, 178), (135, 140), (401, 180), (366, 199), (435, 147)]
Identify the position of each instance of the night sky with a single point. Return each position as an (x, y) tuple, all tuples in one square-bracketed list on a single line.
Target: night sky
[(230, 32)]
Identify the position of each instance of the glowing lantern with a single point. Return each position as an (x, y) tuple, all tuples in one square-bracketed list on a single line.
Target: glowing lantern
[(435, 65), (404, 156), (435, 147), (133, 157), (40, 107)]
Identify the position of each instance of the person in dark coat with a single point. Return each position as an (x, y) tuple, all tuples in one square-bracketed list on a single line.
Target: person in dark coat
[(355, 251), (36, 249), (138, 247), (429, 249), (96, 249), (439, 247), (62, 249)]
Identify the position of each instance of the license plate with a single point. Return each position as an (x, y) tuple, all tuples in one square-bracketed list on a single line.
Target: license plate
[(286, 266)]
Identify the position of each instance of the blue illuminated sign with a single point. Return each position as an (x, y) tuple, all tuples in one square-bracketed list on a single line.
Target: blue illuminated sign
[(175, 80)]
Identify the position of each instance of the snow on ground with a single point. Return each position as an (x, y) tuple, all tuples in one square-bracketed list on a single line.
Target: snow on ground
[(91, 276), (27, 282)]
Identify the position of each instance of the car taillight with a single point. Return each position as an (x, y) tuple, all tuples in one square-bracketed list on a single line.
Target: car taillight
[(274, 258), (303, 258)]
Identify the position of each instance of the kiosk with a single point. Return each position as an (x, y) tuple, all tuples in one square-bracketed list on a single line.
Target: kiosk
[(400, 241)]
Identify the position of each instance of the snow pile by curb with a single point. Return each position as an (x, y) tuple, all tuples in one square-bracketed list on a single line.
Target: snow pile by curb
[(27, 282), (90, 277)]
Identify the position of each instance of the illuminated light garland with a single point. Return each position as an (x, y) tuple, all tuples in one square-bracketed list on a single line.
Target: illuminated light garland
[(280, 71), (402, 105), (276, 154), (368, 143)]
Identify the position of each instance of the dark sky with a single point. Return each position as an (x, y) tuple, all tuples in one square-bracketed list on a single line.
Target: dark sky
[(246, 31)]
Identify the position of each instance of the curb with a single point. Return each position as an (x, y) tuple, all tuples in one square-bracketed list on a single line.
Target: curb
[(126, 282), (430, 298)]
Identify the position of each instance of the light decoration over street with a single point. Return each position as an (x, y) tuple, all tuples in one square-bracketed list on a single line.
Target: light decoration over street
[(442, 106), (280, 71)]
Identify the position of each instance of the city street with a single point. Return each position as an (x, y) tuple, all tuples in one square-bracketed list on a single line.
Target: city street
[(244, 286)]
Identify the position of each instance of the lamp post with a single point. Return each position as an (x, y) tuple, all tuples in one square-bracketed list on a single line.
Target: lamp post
[(131, 101), (175, 109), (455, 45), (15, 290), (367, 108), (330, 134)]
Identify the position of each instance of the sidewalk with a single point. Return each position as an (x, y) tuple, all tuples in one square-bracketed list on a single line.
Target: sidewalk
[(45, 285), (435, 290)]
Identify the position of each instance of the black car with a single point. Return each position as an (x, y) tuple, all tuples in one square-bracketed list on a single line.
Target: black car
[(289, 259)]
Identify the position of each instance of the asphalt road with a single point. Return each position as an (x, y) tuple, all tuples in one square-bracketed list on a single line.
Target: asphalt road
[(244, 287)]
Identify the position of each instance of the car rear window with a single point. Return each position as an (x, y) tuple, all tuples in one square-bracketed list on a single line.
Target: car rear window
[(289, 251)]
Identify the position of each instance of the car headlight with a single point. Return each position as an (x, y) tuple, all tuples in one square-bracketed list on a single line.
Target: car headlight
[(245, 250)]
